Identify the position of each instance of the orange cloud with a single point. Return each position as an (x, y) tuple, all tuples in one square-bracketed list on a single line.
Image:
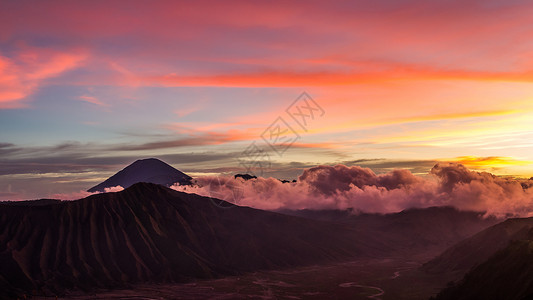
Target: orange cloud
[(324, 145), (491, 162), (328, 78)]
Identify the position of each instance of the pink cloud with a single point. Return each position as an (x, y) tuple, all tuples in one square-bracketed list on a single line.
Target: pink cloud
[(83, 194), (113, 189), (366, 42), (92, 100), (342, 187), (22, 74)]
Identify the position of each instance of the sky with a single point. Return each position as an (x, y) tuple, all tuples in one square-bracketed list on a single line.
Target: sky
[(273, 88)]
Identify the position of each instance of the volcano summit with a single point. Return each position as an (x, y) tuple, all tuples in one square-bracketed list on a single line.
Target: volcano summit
[(151, 170)]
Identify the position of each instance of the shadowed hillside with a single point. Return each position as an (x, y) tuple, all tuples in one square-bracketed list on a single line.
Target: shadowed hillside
[(475, 250), (149, 233), (508, 274), (409, 230)]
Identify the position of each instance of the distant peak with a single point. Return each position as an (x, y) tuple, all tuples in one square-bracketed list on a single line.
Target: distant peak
[(148, 160), (150, 170), (245, 176)]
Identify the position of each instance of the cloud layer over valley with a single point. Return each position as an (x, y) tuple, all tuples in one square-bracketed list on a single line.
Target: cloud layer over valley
[(343, 187)]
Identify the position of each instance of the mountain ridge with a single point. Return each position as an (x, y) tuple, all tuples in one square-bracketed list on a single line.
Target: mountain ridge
[(149, 233), (476, 249), (507, 274)]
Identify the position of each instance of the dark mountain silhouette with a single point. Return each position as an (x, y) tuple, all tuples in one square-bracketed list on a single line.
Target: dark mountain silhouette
[(31, 202), (150, 170), (508, 274), (150, 233), (245, 176), (478, 248)]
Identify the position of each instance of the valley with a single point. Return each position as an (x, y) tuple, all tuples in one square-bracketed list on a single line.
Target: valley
[(358, 279)]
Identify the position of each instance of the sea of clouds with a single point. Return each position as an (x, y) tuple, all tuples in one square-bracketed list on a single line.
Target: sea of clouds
[(342, 187)]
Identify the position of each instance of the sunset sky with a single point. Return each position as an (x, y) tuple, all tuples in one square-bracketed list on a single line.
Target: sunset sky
[(89, 87)]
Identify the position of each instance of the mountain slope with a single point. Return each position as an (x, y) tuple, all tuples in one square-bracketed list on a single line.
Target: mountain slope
[(149, 233), (149, 170), (508, 274), (478, 248), (423, 229)]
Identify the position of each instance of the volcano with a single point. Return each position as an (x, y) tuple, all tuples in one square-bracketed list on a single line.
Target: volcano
[(150, 233), (151, 170)]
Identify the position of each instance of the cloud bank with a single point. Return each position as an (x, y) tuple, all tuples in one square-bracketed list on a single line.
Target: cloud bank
[(342, 187)]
